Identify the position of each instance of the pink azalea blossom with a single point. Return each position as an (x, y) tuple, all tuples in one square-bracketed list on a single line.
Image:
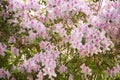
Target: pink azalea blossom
[(87, 37), (46, 58), (60, 29), (93, 40), (85, 70), (2, 73), (113, 71), (8, 74), (62, 69), (15, 51), (12, 39), (43, 45), (2, 49), (40, 76)]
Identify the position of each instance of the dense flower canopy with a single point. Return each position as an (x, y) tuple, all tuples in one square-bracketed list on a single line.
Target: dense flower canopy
[(59, 39)]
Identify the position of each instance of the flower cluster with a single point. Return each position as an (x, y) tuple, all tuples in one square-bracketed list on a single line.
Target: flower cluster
[(44, 62), (15, 5), (53, 32), (113, 71), (59, 28), (27, 11), (66, 8), (89, 40), (108, 18), (4, 74)]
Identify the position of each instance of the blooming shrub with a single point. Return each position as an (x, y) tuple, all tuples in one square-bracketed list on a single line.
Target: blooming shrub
[(59, 40)]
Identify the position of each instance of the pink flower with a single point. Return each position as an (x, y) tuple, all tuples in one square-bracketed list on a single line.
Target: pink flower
[(8, 74), (47, 59), (20, 67), (31, 65), (2, 73), (40, 76), (43, 45), (13, 78), (85, 70), (12, 39), (60, 29), (88, 41), (15, 51), (113, 71), (2, 49), (32, 35), (62, 69), (55, 55), (49, 71), (70, 77)]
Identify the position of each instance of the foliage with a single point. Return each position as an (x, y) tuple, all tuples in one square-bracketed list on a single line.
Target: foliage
[(59, 40)]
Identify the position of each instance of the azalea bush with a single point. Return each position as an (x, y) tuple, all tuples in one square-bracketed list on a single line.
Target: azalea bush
[(59, 40)]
